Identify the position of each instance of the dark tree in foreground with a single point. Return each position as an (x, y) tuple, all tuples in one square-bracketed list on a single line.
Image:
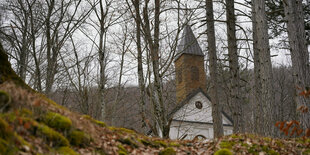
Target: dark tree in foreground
[(262, 63), (235, 95), (299, 52), (216, 113)]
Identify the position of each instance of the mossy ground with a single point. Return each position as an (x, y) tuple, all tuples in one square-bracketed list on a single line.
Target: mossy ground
[(223, 152), (57, 121), (167, 151), (79, 138)]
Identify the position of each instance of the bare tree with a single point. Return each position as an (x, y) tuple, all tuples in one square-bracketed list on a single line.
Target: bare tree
[(299, 53), (141, 80), (216, 112), (235, 95), (264, 120), (61, 20)]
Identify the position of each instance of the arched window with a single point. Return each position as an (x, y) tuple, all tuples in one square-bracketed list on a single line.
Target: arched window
[(194, 73)]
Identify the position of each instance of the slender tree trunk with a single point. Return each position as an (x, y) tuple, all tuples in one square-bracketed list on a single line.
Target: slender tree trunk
[(216, 110), (49, 46), (235, 98), (299, 53), (157, 79), (140, 66), (266, 119), (257, 81), (23, 57), (101, 51), (33, 32)]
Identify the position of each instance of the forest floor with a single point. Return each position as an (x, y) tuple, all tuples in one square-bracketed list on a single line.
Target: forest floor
[(30, 123)]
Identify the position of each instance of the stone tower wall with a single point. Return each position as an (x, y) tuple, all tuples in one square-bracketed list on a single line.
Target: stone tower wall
[(190, 75)]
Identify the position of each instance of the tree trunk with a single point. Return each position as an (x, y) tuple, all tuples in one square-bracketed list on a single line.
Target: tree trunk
[(257, 81), (101, 52), (299, 53), (51, 64), (266, 119), (216, 110), (140, 66), (235, 98)]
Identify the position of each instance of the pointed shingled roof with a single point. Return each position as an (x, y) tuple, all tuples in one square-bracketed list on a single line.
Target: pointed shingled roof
[(188, 43)]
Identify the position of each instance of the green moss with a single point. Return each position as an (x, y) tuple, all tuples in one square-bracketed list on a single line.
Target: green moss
[(25, 112), (129, 142), (10, 117), (121, 149), (273, 152), (3, 146), (174, 144), (167, 151), (145, 142), (265, 148), (120, 152), (57, 121), (303, 141), (267, 139), (254, 149), (66, 151), (20, 140), (99, 123), (5, 100), (306, 152), (122, 130), (78, 138), (235, 136), (52, 136), (7, 148), (227, 144), (99, 151), (161, 143), (245, 144), (5, 131), (279, 143), (223, 152)]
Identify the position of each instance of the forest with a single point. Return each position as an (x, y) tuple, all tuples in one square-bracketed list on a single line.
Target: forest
[(110, 65)]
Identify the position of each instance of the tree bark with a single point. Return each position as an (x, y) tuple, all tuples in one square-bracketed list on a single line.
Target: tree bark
[(299, 53), (140, 65), (265, 121), (101, 52), (216, 110), (235, 96)]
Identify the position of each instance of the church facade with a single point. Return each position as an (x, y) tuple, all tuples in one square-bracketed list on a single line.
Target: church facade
[(192, 117)]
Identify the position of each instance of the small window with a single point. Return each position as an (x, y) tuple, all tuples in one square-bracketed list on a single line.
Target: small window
[(198, 105)]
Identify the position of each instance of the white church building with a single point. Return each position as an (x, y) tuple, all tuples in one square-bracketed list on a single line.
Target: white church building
[(192, 117)]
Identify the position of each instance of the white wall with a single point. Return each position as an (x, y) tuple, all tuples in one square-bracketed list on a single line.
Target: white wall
[(199, 121)]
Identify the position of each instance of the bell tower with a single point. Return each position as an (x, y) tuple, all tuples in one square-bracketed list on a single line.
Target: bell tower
[(189, 66)]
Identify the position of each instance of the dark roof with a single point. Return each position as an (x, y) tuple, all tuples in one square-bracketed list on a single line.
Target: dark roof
[(188, 44), (185, 101)]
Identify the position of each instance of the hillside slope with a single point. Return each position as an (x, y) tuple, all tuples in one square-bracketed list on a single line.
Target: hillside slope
[(30, 123)]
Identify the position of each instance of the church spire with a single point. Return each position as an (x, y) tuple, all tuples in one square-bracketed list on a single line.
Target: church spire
[(189, 66), (188, 43)]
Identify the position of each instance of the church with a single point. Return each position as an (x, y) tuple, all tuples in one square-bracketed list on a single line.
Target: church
[(192, 117)]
